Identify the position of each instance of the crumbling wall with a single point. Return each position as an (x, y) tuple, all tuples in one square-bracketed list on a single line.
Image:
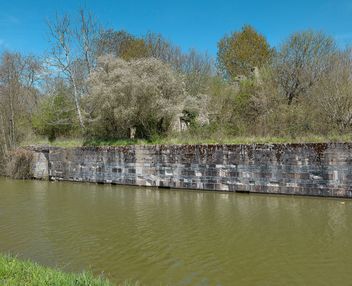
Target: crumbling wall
[(40, 162)]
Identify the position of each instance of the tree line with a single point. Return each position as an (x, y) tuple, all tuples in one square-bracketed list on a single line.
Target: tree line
[(99, 83)]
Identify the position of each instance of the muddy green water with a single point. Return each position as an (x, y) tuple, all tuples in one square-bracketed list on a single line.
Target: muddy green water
[(174, 237)]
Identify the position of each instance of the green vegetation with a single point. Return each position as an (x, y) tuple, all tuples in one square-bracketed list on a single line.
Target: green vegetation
[(107, 87), (14, 272), (191, 139), (242, 51), (55, 115)]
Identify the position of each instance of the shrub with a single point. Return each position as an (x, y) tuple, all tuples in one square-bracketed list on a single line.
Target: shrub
[(55, 116)]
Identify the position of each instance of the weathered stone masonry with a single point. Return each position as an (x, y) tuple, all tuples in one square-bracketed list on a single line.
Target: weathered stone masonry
[(302, 169)]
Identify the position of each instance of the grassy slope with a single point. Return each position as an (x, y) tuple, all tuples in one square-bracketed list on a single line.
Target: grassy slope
[(14, 272), (190, 140)]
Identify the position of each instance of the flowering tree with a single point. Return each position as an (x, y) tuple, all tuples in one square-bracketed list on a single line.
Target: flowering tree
[(144, 94)]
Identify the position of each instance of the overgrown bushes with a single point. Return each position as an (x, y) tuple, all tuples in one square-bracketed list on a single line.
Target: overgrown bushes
[(109, 85), (56, 115)]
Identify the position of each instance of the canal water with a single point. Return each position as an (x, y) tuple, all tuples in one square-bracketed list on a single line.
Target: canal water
[(176, 237)]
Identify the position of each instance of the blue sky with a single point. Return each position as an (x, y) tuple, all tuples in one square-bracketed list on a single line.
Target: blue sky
[(189, 24)]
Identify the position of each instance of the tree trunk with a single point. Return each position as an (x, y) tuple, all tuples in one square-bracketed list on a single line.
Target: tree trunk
[(77, 104), (12, 126), (5, 147)]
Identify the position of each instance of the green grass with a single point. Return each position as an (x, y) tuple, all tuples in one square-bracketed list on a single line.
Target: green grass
[(260, 140), (14, 272), (61, 142), (189, 139)]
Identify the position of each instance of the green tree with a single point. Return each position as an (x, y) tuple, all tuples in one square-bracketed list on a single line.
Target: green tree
[(56, 115), (121, 44), (242, 51)]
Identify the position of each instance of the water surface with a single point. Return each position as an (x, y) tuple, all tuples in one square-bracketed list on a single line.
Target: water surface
[(178, 237)]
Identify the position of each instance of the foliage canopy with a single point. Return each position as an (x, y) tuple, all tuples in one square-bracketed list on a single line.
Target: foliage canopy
[(242, 51)]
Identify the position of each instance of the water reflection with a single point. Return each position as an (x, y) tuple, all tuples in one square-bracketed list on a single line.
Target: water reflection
[(178, 237)]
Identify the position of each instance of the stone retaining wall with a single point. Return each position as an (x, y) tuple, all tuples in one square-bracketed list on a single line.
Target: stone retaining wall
[(301, 169)]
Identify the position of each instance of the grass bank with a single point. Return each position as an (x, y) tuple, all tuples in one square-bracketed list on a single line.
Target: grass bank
[(14, 272), (73, 142)]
